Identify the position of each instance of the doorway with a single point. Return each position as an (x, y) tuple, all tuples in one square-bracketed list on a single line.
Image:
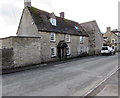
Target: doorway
[(62, 50)]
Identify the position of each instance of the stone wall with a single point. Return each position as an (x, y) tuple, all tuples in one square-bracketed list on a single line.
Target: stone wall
[(95, 37), (20, 51), (27, 26), (0, 56), (98, 42), (74, 45)]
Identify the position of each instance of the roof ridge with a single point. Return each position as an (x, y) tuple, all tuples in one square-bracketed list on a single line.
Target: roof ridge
[(37, 9), (88, 21), (52, 12)]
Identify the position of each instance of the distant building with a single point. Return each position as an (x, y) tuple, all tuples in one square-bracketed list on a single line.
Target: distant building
[(95, 37), (111, 38)]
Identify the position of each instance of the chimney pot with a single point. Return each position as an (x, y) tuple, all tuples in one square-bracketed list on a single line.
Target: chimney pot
[(62, 14), (108, 29), (27, 3)]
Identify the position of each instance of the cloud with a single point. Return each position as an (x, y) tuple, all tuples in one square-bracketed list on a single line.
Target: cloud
[(48, 3), (9, 14), (9, 17), (104, 11)]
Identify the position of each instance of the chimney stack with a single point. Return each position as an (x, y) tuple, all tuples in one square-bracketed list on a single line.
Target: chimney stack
[(27, 3), (108, 29), (62, 14)]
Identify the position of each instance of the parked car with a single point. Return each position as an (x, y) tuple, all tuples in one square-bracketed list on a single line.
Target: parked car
[(107, 50)]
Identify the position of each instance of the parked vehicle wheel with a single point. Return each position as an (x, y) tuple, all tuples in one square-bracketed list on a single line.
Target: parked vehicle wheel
[(102, 54), (110, 53)]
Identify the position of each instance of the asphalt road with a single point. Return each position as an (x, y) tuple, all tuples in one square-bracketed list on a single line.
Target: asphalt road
[(72, 78)]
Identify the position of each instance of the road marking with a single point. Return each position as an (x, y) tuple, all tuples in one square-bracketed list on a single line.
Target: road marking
[(100, 83)]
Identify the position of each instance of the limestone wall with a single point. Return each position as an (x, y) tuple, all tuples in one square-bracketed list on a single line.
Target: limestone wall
[(20, 51)]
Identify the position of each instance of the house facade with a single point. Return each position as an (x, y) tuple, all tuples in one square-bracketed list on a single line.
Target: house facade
[(111, 38), (95, 40), (60, 38)]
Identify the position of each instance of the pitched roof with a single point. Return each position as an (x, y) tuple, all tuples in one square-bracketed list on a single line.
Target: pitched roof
[(41, 19), (90, 26), (116, 32)]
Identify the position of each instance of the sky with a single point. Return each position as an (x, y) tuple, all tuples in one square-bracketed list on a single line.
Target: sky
[(105, 12)]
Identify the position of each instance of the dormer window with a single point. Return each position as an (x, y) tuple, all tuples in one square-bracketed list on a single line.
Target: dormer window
[(53, 21)]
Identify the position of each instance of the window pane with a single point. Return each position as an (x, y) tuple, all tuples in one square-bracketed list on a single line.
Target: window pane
[(53, 51), (68, 50), (52, 37), (81, 39), (67, 38), (53, 21)]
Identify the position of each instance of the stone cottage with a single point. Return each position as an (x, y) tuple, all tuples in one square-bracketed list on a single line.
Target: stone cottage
[(60, 38), (95, 42), (43, 37), (111, 38)]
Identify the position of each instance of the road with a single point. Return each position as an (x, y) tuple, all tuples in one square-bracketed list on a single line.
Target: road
[(74, 77)]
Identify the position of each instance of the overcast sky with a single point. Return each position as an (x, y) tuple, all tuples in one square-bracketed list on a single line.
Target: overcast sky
[(105, 12)]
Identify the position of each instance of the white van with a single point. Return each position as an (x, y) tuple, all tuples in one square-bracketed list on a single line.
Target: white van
[(107, 50)]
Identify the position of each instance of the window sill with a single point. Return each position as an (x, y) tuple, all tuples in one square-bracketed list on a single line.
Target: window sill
[(53, 41), (68, 54), (67, 41), (81, 43), (53, 56)]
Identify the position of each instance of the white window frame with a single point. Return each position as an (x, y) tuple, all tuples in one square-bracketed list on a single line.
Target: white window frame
[(52, 34), (81, 49), (81, 39), (67, 38), (68, 53), (87, 49), (54, 48), (53, 21)]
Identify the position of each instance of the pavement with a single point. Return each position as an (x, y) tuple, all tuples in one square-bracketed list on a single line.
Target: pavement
[(111, 86), (76, 77)]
